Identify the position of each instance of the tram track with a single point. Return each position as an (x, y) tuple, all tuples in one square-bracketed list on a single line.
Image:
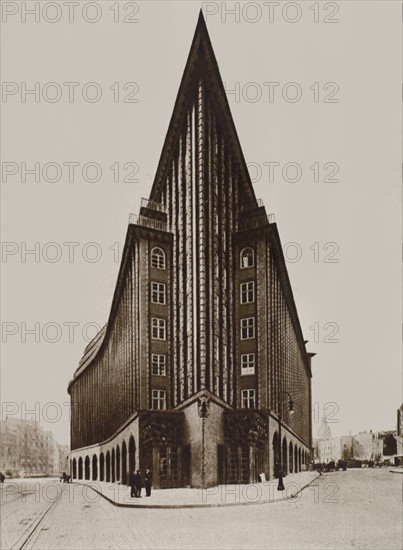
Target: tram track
[(33, 528)]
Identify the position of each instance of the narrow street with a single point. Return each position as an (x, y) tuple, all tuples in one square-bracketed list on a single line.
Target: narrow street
[(355, 509)]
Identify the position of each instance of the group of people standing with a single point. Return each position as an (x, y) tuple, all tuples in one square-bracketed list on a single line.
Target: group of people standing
[(136, 483)]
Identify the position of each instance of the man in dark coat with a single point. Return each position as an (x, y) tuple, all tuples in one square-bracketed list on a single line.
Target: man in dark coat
[(138, 484), (133, 484), (148, 480)]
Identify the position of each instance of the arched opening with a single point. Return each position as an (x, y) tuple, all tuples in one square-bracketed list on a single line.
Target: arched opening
[(276, 455), (295, 459), (118, 463), (132, 455), (247, 257), (94, 468), (108, 467), (158, 258), (291, 458), (74, 468), (87, 468), (124, 464), (300, 459), (80, 468), (113, 466), (284, 460), (102, 467)]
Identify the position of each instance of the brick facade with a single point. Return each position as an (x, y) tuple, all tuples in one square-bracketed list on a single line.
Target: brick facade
[(203, 322)]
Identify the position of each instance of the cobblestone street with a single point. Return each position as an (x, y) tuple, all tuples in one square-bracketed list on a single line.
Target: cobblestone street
[(355, 509)]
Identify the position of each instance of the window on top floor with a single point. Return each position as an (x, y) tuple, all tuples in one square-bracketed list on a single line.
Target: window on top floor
[(158, 258), (247, 257)]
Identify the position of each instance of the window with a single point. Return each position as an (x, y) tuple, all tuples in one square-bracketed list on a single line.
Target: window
[(247, 328), (158, 293), (158, 331), (247, 292), (248, 399), (158, 258), (158, 364), (159, 398), (247, 257), (248, 363)]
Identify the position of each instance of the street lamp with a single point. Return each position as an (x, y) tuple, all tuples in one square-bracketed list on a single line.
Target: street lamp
[(290, 406)]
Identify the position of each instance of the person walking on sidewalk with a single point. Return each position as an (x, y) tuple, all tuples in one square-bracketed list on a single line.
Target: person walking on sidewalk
[(148, 481), (133, 484), (138, 484)]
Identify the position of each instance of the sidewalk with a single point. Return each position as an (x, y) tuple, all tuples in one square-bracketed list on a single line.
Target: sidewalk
[(223, 495)]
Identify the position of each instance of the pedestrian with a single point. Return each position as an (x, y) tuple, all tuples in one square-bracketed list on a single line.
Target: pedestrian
[(138, 484), (133, 484), (148, 481)]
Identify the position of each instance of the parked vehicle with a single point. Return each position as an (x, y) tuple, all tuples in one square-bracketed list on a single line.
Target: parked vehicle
[(341, 465), (330, 466)]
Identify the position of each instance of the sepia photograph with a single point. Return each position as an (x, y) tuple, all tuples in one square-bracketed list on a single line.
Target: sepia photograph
[(201, 250)]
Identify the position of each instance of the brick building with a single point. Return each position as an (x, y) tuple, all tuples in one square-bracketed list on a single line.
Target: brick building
[(203, 346)]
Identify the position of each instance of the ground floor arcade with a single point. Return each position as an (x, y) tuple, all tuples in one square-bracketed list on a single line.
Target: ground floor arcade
[(202, 445)]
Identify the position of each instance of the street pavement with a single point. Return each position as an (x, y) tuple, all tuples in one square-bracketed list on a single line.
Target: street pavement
[(223, 495), (357, 509)]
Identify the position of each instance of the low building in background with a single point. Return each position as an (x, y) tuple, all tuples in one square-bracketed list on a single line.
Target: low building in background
[(368, 446), (27, 449), (399, 437)]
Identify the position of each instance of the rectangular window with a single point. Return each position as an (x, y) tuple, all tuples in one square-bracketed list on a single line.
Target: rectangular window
[(158, 293), (248, 292), (159, 400), (248, 399), (247, 328), (248, 363), (158, 364), (158, 330)]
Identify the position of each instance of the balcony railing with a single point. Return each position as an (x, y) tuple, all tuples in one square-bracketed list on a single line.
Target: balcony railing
[(152, 205), (271, 218), (137, 219)]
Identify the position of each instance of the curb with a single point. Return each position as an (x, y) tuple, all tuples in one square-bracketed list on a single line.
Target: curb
[(396, 471), (179, 506)]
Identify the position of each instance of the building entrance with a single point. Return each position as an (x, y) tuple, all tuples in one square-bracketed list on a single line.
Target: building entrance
[(169, 467)]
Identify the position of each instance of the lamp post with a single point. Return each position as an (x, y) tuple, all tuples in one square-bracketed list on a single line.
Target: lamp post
[(290, 405)]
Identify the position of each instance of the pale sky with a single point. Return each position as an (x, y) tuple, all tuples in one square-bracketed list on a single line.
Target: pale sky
[(356, 220)]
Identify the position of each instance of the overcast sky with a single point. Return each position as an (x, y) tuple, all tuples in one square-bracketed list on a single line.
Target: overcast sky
[(342, 238)]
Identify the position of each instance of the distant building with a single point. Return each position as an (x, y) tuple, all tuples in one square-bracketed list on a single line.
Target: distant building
[(364, 446), (389, 443), (368, 446), (399, 436), (324, 429), (29, 450), (335, 448)]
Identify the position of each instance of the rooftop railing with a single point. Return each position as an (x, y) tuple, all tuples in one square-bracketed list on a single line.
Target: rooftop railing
[(137, 219), (152, 205)]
